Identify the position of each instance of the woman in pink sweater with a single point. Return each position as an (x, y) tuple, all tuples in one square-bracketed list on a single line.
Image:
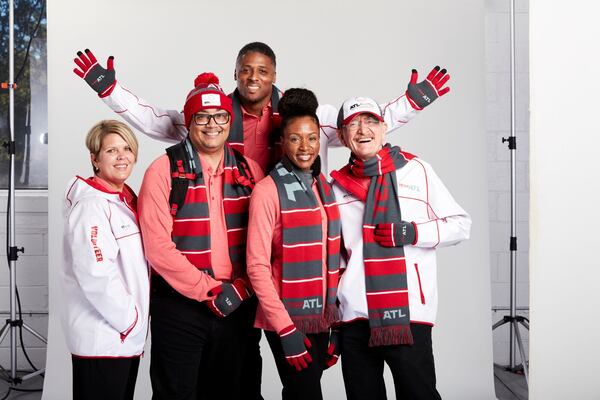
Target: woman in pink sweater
[(293, 253)]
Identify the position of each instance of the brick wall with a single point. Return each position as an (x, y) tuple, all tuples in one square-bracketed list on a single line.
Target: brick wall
[(31, 215)]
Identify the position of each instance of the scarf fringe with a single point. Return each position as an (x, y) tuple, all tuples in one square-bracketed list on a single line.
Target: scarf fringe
[(399, 334), (311, 324)]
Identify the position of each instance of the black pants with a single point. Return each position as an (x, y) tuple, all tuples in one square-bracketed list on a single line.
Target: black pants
[(104, 378), (412, 366), (195, 354), (306, 384), (252, 364)]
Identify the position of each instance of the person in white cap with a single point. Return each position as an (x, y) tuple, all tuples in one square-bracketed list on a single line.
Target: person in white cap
[(395, 212)]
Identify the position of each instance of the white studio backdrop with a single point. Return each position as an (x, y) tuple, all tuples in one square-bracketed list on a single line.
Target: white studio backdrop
[(336, 48), (564, 213)]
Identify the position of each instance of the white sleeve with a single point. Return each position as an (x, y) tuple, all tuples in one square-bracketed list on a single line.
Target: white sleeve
[(397, 112), (448, 223), (95, 250), (165, 125), (328, 119)]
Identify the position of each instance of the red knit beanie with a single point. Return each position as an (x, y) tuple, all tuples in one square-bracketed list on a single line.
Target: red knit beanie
[(207, 93)]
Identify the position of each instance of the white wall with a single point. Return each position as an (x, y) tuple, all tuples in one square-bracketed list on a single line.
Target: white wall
[(337, 48), (497, 100), (564, 215)]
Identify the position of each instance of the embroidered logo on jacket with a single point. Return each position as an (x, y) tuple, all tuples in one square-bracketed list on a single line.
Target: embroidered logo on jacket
[(94, 239), (410, 187)]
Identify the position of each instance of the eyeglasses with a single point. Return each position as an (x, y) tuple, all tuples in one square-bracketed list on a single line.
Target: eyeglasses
[(366, 121), (204, 119)]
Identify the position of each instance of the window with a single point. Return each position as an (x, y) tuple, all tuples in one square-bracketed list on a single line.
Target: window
[(31, 95)]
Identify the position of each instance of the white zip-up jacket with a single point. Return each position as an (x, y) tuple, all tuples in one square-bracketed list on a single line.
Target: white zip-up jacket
[(439, 220), (105, 277), (169, 125)]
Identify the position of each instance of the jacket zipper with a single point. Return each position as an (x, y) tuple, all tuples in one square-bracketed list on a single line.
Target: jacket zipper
[(420, 287)]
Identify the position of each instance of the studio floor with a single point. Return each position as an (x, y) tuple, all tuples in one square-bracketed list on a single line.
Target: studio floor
[(509, 386)]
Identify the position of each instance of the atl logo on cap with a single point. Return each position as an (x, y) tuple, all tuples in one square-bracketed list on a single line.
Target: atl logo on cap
[(211, 99)]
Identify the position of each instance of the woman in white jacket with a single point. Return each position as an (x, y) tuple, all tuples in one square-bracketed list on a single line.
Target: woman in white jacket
[(105, 275)]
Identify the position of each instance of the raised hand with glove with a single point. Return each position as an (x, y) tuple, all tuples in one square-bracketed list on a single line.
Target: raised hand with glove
[(101, 79), (229, 296), (334, 349), (396, 234), (295, 346), (422, 94)]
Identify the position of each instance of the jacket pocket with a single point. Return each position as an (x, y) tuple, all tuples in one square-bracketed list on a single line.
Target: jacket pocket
[(420, 286)]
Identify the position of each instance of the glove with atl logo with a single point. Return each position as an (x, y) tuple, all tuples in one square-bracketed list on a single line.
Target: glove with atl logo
[(229, 297), (101, 79), (422, 94), (396, 235), (295, 346)]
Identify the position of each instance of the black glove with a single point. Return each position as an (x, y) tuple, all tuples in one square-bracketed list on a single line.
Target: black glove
[(396, 235), (422, 94), (229, 297), (333, 351), (295, 346), (101, 79)]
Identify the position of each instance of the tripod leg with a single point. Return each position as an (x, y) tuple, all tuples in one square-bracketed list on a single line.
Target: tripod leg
[(525, 324), (33, 374), (521, 351), (4, 331), (499, 323), (34, 333)]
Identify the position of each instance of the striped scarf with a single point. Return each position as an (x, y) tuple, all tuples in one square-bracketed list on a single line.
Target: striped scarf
[(236, 134), (385, 267), (302, 269), (191, 224)]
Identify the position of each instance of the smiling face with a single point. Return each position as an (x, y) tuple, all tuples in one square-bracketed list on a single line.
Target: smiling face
[(363, 135), (114, 162), (301, 142), (255, 75), (209, 138)]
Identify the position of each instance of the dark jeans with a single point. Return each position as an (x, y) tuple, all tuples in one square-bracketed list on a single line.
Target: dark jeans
[(195, 354), (412, 366), (104, 378), (306, 384)]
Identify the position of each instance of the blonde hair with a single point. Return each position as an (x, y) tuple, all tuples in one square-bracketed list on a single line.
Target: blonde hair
[(94, 138)]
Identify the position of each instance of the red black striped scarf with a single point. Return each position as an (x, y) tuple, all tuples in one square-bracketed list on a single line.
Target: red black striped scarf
[(302, 267), (385, 267), (191, 224)]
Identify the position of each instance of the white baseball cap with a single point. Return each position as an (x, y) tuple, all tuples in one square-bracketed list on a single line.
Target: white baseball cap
[(355, 106)]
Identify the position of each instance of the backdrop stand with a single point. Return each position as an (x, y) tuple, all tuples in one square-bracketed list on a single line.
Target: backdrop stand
[(13, 324), (513, 319)]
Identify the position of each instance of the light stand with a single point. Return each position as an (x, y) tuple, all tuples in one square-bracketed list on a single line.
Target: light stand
[(513, 319), (13, 324)]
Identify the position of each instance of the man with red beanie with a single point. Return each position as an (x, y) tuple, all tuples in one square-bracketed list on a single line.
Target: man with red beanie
[(196, 246)]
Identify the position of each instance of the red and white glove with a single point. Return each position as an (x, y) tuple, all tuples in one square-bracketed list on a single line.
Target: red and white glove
[(422, 94), (334, 349), (101, 79), (229, 297), (396, 235), (295, 346)]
